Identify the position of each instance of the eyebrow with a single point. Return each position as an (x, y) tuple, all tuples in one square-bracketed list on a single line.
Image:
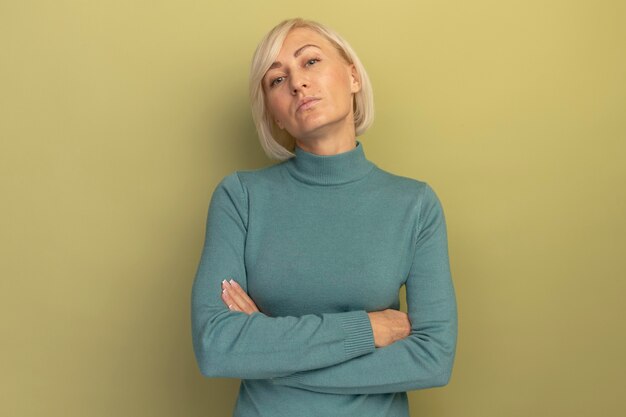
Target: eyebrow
[(277, 64)]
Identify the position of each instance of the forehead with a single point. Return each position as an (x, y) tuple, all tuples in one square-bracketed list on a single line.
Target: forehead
[(301, 36)]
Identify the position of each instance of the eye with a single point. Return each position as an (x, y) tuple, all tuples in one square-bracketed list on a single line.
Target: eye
[(312, 61), (276, 80)]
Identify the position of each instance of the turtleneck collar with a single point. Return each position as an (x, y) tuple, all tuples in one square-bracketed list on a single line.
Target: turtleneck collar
[(335, 169)]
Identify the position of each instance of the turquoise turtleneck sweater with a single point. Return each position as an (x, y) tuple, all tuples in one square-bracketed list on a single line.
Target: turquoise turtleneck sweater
[(317, 242)]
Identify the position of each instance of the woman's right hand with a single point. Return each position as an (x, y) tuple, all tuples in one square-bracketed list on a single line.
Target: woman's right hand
[(389, 326)]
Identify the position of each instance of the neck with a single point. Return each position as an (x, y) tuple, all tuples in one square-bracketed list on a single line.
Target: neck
[(326, 146), (335, 169), (331, 140)]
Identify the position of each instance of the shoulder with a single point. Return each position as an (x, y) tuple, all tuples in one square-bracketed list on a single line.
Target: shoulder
[(415, 193), (254, 177), (414, 188), (243, 180)]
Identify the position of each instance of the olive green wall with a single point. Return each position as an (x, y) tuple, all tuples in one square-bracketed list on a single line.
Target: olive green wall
[(119, 117)]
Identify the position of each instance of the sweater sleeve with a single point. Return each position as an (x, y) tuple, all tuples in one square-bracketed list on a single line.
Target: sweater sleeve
[(424, 359), (237, 345)]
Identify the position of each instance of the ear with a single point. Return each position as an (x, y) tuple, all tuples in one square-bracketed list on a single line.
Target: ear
[(279, 124), (355, 80)]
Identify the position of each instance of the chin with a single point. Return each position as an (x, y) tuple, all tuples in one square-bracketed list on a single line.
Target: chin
[(308, 133), (315, 128)]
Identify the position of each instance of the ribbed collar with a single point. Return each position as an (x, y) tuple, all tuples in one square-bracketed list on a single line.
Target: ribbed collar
[(335, 169)]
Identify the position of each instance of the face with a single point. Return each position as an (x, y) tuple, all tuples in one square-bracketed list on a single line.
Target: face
[(309, 89)]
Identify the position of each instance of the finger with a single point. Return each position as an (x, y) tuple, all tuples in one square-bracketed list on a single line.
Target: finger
[(244, 296), (224, 296), (232, 302), (228, 300), (240, 298)]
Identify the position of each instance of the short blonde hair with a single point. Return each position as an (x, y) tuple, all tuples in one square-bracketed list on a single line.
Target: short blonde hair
[(279, 144)]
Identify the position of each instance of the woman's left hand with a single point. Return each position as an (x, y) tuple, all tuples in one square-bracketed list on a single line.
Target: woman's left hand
[(236, 298)]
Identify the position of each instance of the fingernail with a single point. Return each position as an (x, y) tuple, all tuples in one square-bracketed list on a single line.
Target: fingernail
[(224, 291), (232, 281)]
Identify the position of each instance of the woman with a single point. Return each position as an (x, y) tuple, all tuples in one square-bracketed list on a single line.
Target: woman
[(297, 288)]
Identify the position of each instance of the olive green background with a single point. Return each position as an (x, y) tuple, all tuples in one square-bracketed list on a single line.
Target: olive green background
[(118, 119)]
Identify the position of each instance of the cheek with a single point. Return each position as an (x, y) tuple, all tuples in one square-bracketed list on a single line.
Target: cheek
[(276, 105), (339, 79), (338, 85)]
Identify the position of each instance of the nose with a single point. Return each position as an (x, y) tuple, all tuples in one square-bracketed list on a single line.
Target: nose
[(298, 82)]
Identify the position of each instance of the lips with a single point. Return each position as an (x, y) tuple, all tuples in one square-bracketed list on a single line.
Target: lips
[(306, 102)]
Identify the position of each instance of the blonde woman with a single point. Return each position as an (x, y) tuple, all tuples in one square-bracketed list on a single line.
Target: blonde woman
[(297, 290)]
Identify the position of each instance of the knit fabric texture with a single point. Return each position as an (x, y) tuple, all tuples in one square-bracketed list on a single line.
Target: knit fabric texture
[(318, 241)]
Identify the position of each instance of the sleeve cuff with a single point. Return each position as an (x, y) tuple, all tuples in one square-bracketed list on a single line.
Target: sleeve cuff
[(359, 333)]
